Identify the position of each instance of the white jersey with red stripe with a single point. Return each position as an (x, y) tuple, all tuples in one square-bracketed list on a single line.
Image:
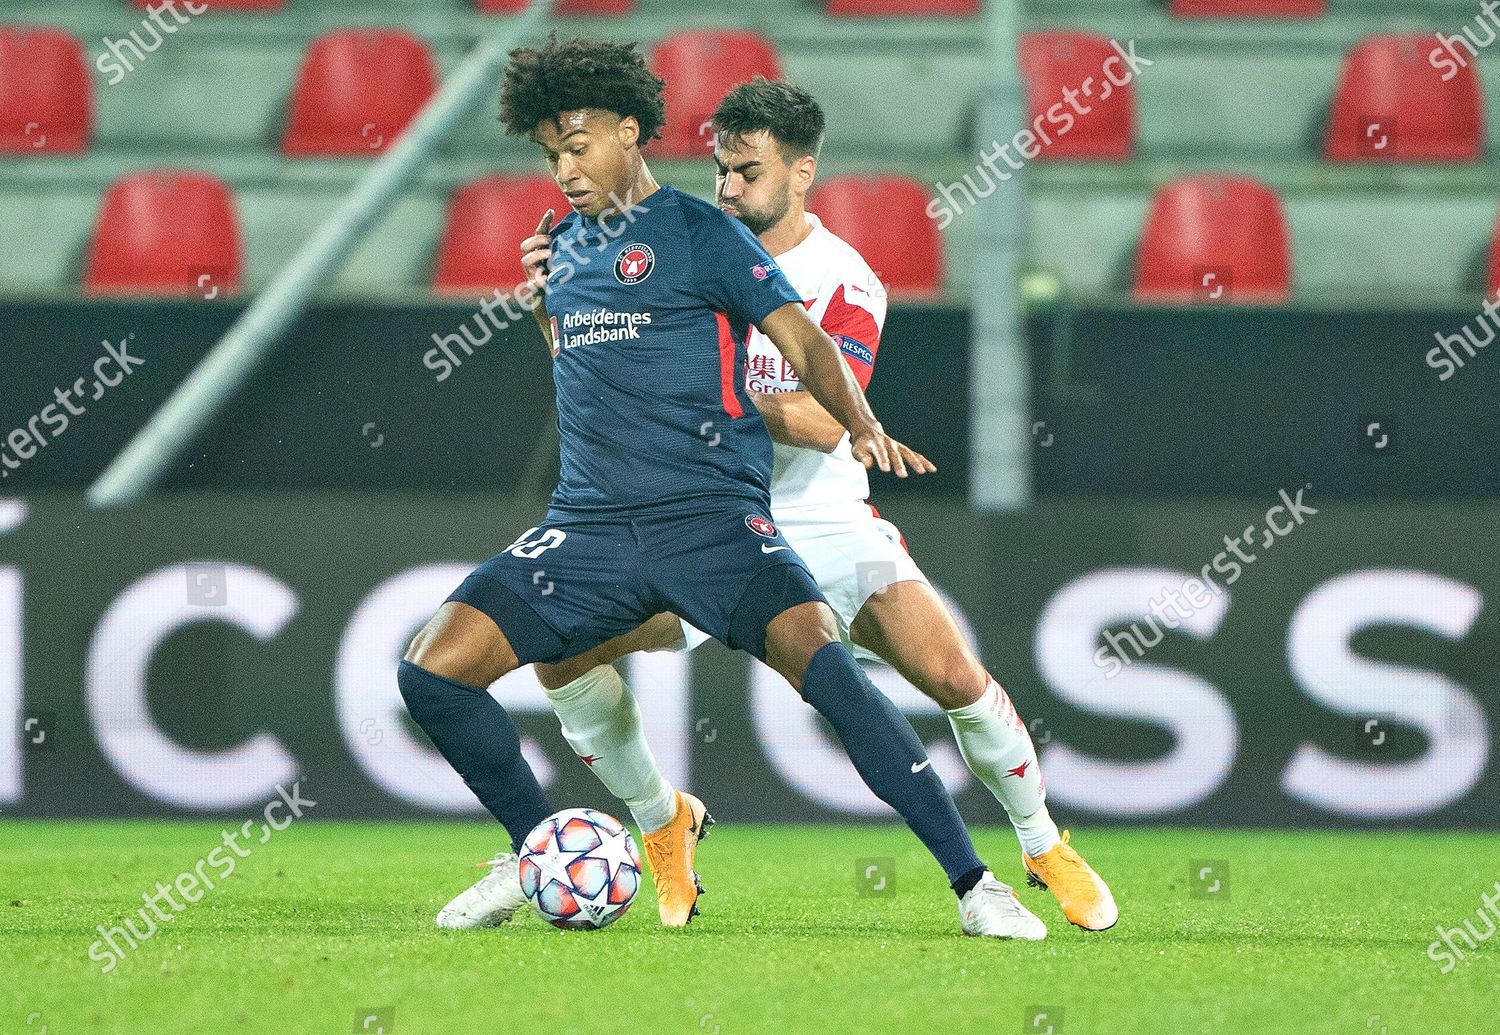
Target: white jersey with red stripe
[(849, 303)]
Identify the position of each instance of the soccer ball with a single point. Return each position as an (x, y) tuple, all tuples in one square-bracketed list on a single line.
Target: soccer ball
[(580, 869)]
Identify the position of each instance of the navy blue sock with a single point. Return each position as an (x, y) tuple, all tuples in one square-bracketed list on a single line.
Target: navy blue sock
[(478, 738), (884, 748)]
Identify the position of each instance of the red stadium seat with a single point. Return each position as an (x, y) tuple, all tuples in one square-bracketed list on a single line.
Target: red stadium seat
[(905, 8), (1052, 62), (46, 96), (1212, 238), (566, 8), (356, 91), (700, 67), (1249, 8), (885, 219), (487, 221), (165, 233), (1392, 105), (223, 5)]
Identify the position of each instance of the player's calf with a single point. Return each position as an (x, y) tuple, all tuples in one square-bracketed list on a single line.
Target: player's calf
[(998, 749), (877, 738), (602, 724), (477, 738), (908, 625), (469, 727)]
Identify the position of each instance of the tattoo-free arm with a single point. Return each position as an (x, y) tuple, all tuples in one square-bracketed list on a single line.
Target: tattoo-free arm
[(828, 379), (796, 419)]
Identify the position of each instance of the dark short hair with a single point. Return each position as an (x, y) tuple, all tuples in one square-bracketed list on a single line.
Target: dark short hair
[(787, 112), (541, 84)]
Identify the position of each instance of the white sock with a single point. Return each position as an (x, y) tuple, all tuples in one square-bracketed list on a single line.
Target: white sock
[(603, 725), (995, 743)]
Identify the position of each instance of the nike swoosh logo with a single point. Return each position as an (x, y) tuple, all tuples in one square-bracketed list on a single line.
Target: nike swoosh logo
[(917, 767), (765, 548)]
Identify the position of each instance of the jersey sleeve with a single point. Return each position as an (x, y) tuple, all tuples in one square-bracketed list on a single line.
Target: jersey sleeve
[(853, 320), (736, 275)]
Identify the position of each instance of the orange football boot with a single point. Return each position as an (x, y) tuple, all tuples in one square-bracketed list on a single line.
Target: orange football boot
[(670, 852), (1082, 893)]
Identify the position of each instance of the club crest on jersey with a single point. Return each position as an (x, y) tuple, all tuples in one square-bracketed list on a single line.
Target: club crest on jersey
[(760, 526), (765, 270), (634, 264)]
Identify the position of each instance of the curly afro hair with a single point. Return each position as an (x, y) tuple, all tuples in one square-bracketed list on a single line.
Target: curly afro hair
[(542, 84)]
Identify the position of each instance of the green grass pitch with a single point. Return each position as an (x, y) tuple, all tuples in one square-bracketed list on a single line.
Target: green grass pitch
[(331, 922)]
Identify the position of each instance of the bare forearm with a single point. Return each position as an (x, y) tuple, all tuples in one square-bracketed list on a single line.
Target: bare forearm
[(824, 373), (831, 384), (797, 419), (827, 377)]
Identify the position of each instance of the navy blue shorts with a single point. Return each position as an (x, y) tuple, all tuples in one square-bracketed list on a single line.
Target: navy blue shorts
[(576, 581)]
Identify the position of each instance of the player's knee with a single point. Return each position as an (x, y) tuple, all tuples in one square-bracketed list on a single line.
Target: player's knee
[(601, 685), (959, 680), (796, 635), (455, 652), (781, 612), (555, 677), (452, 665)]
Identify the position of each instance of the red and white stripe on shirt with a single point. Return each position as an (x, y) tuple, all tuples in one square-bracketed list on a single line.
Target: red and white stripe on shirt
[(849, 303)]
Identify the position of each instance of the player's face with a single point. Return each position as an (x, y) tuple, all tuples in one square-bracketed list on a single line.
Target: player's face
[(755, 181), (589, 154)]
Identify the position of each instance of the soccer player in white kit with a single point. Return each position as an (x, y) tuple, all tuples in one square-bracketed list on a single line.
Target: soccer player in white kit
[(768, 136)]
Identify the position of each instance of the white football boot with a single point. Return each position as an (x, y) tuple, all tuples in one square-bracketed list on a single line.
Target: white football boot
[(492, 901), (992, 909)]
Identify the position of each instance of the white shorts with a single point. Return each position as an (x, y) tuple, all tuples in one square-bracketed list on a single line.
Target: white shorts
[(852, 552)]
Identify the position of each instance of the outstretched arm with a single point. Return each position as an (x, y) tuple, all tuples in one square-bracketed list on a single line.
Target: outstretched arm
[(829, 381), (796, 419)]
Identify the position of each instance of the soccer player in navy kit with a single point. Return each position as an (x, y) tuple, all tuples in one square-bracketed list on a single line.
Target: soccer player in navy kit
[(663, 502)]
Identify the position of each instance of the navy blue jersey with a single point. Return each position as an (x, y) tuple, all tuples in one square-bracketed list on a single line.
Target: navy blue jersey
[(649, 322)]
